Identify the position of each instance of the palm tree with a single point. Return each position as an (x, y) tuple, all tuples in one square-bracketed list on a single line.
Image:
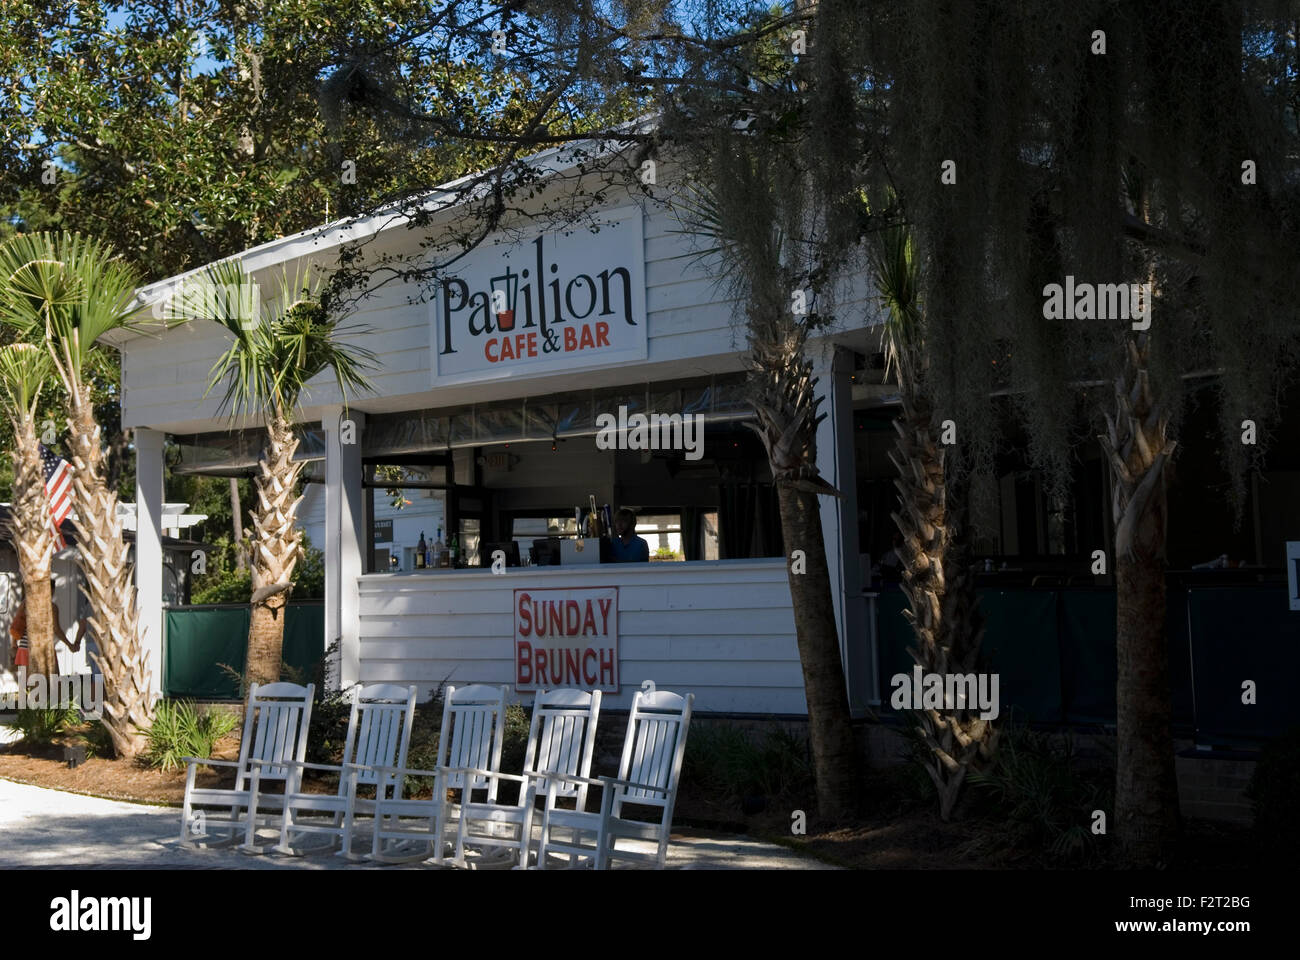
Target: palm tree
[(66, 292), (278, 346), (943, 610), (23, 369), (750, 202)]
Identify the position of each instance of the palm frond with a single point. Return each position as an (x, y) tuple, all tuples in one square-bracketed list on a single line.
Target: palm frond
[(24, 368), (66, 289), (894, 260), (280, 342)]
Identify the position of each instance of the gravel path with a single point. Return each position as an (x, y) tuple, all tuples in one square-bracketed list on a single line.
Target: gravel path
[(49, 828)]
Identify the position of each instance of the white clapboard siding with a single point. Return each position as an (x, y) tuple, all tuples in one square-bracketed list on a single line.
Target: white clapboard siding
[(723, 630), (690, 316)]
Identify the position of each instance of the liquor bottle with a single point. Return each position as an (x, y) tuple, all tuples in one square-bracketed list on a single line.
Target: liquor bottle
[(609, 520), (435, 558), (455, 548), (420, 549), (593, 517)]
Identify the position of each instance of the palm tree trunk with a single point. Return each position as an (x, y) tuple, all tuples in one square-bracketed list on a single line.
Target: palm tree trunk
[(943, 609), (784, 398), (275, 549), (834, 748), (38, 596), (33, 539), (1146, 785), (103, 556)]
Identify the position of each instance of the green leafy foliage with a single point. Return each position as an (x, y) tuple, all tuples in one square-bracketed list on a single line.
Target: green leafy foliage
[(1042, 797), (745, 766), (179, 730), (224, 582), (328, 732), (41, 728), (425, 731)]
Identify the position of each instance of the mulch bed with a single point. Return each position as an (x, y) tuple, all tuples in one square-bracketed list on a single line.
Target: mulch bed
[(132, 781)]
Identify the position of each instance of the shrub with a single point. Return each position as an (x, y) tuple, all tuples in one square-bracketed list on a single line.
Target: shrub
[(744, 767), (1041, 797), (328, 732), (422, 754), (180, 731), (1272, 790), (40, 727), (97, 741), (224, 582), (423, 751)]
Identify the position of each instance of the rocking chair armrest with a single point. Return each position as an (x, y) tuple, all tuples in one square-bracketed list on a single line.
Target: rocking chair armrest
[(557, 778), (631, 785), (208, 761), (405, 771), (297, 764), (488, 774)]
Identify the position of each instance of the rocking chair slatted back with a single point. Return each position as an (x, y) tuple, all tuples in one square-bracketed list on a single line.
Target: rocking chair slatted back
[(655, 744), (561, 739), (278, 715), (379, 730), (475, 717)]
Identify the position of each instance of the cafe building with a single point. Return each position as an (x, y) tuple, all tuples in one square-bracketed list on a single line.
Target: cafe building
[(549, 372), (556, 375)]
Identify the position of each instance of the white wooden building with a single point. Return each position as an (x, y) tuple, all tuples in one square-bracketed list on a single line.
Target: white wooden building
[(506, 426)]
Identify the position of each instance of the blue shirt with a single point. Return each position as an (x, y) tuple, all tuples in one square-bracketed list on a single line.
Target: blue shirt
[(635, 550)]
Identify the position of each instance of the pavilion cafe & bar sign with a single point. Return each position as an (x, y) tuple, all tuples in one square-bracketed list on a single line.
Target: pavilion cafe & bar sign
[(556, 302), (566, 637)]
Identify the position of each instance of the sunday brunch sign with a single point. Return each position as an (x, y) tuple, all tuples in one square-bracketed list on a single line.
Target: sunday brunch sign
[(559, 301), (566, 638)]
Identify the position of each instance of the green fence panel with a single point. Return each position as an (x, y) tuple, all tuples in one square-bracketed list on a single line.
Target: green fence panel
[(304, 640), (893, 637), (1054, 652), (1240, 634), (1019, 639), (1088, 655), (1020, 643), (200, 639)]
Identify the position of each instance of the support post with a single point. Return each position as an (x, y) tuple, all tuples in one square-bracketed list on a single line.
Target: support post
[(835, 462), (345, 538), (148, 550)]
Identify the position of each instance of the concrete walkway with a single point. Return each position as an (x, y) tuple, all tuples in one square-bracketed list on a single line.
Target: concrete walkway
[(49, 828)]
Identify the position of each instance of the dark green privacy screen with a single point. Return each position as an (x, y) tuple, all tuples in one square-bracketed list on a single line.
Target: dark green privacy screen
[(1054, 652), (199, 640)]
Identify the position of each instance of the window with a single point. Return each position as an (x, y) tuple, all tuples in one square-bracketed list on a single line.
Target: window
[(405, 503), (663, 532)]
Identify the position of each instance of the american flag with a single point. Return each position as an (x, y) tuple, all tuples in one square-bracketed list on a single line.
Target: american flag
[(58, 484)]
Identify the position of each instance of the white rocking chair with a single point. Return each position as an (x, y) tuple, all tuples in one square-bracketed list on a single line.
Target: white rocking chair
[(648, 776), (561, 740), (379, 733), (274, 735), (469, 745)]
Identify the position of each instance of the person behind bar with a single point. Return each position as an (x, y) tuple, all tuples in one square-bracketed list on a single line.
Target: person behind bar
[(625, 546)]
